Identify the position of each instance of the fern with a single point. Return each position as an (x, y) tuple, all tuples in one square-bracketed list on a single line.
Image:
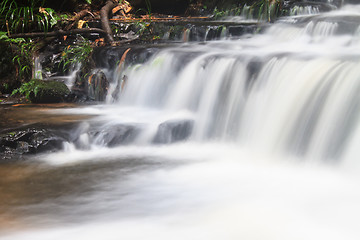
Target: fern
[(26, 18)]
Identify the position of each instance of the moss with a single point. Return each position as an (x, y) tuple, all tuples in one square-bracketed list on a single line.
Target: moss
[(39, 91), (49, 92)]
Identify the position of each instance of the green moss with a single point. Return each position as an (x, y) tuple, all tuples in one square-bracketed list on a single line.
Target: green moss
[(39, 91)]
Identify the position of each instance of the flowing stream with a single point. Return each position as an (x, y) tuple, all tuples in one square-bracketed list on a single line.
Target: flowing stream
[(250, 138)]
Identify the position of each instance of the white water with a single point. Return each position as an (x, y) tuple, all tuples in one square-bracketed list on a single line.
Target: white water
[(273, 153)]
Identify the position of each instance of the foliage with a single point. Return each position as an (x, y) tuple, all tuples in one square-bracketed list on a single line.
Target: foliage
[(6, 86), (265, 10), (219, 14), (148, 8), (65, 16), (268, 9), (28, 88), (80, 53), (22, 51), (19, 18), (141, 27)]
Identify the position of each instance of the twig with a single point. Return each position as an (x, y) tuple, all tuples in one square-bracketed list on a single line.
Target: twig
[(77, 17)]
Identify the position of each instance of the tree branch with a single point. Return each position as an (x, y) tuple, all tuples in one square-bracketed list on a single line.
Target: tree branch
[(59, 33), (77, 17)]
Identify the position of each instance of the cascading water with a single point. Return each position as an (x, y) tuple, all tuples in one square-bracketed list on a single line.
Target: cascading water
[(254, 138)]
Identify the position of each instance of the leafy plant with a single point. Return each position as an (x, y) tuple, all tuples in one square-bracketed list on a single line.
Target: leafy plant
[(6, 86), (76, 54), (20, 18), (28, 88), (147, 11), (24, 58), (141, 27), (217, 14), (268, 9), (148, 8), (12, 134), (22, 51)]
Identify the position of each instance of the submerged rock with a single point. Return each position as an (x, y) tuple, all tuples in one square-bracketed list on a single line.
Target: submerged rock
[(173, 131), (115, 135)]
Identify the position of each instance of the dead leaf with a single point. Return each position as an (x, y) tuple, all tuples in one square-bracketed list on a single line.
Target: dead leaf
[(124, 56), (125, 7), (90, 78), (43, 10), (117, 8), (81, 23)]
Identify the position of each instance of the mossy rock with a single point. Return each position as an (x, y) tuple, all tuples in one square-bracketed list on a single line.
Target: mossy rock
[(48, 91)]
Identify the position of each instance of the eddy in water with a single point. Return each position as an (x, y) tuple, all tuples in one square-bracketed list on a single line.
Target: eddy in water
[(254, 138)]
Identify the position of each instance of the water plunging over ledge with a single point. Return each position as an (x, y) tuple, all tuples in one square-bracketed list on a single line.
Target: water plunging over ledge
[(254, 138)]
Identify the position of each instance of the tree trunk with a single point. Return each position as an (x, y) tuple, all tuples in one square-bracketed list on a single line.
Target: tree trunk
[(104, 14)]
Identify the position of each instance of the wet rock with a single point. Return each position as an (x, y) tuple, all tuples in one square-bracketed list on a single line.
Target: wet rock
[(173, 131), (29, 141), (98, 86), (78, 95), (108, 57), (114, 135)]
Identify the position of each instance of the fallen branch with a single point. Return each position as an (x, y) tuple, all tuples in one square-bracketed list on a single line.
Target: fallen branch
[(77, 17), (59, 33), (153, 19), (104, 16)]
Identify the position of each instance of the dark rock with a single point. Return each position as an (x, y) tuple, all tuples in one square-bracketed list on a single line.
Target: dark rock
[(173, 131), (98, 86), (28, 141), (112, 136), (108, 57), (78, 95)]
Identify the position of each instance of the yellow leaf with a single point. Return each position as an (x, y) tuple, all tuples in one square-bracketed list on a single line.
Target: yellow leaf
[(81, 23), (89, 79), (42, 10), (115, 9)]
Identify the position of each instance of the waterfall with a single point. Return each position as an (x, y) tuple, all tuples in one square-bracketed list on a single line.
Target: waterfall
[(249, 138), (292, 89)]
